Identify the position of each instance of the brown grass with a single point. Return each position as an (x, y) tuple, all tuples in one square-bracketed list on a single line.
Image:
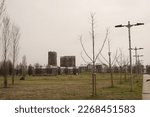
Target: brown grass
[(68, 87)]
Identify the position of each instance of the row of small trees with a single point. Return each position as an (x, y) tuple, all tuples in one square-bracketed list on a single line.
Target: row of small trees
[(9, 38), (119, 59)]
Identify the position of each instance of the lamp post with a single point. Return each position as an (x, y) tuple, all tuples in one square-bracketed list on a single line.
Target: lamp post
[(139, 64), (130, 54), (136, 57)]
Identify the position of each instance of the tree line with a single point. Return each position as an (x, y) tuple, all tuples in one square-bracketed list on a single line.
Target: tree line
[(9, 44)]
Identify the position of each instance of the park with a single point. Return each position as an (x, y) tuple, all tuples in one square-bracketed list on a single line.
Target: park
[(107, 64)]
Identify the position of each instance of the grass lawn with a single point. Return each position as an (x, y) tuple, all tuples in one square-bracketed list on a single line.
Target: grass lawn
[(68, 87)]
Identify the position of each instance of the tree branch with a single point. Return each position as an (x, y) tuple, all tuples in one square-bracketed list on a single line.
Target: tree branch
[(115, 57), (83, 58), (102, 45), (104, 58), (84, 49), (100, 60)]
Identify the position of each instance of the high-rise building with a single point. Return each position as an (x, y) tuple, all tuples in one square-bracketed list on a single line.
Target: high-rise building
[(67, 61), (52, 58)]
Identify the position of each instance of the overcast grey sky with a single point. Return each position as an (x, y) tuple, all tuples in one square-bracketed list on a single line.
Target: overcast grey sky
[(55, 25)]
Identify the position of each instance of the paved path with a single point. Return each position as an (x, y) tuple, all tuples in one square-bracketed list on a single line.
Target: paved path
[(146, 87)]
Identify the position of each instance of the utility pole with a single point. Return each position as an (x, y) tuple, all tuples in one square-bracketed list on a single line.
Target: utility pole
[(136, 57), (130, 54)]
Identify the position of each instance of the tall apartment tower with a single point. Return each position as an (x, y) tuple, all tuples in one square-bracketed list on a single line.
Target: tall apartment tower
[(67, 61), (52, 58)]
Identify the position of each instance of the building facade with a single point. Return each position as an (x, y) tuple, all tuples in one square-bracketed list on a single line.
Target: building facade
[(67, 61), (52, 58)]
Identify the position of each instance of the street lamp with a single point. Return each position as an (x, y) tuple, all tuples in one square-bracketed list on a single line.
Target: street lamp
[(130, 54), (136, 57), (139, 63), (136, 53)]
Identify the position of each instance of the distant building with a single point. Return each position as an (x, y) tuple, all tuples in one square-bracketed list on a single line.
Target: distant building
[(99, 68), (82, 68), (52, 58), (67, 61)]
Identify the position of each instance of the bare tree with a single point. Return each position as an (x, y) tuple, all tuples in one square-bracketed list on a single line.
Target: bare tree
[(5, 44), (93, 58), (119, 61), (2, 10), (122, 62), (109, 62), (125, 65), (15, 36)]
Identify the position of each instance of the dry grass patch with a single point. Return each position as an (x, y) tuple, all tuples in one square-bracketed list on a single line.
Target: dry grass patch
[(68, 87)]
